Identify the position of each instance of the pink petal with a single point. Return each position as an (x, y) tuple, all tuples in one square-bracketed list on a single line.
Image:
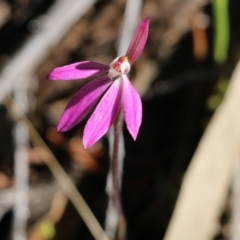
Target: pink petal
[(138, 41), (78, 70), (104, 114), (82, 102), (132, 107)]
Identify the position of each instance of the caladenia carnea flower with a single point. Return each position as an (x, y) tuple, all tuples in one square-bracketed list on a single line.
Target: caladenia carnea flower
[(109, 93)]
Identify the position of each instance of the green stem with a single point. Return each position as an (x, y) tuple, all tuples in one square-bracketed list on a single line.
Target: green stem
[(221, 30)]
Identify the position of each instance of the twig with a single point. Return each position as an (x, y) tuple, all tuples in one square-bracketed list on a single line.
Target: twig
[(60, 18), (131, 20), (209, 175), (58, 172), (21, 171), (235, 221), (131, 17), (37, 193)]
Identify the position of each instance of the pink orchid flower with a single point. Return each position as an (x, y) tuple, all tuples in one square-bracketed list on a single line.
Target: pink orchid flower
[(109, 93)]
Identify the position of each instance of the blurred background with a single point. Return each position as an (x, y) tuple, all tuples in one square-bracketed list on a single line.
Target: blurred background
[(182, 75)]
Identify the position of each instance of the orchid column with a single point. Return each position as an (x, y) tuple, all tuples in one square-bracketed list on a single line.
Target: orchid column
[(110, 95)]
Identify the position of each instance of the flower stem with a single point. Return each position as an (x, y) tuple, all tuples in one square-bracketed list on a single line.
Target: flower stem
[(116, 178)]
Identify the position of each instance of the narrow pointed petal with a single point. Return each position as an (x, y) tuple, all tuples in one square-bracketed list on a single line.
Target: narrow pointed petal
[(104, 115), (82, 102), (132, 107), (79, 70), (138, 41)]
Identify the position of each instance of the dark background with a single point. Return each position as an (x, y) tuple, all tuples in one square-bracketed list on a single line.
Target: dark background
[(176, 109)]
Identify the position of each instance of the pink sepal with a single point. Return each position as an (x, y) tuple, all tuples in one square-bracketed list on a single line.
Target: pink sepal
[(79, 70), (132, 107), (138, 41), (104, 114), (82, 103)]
